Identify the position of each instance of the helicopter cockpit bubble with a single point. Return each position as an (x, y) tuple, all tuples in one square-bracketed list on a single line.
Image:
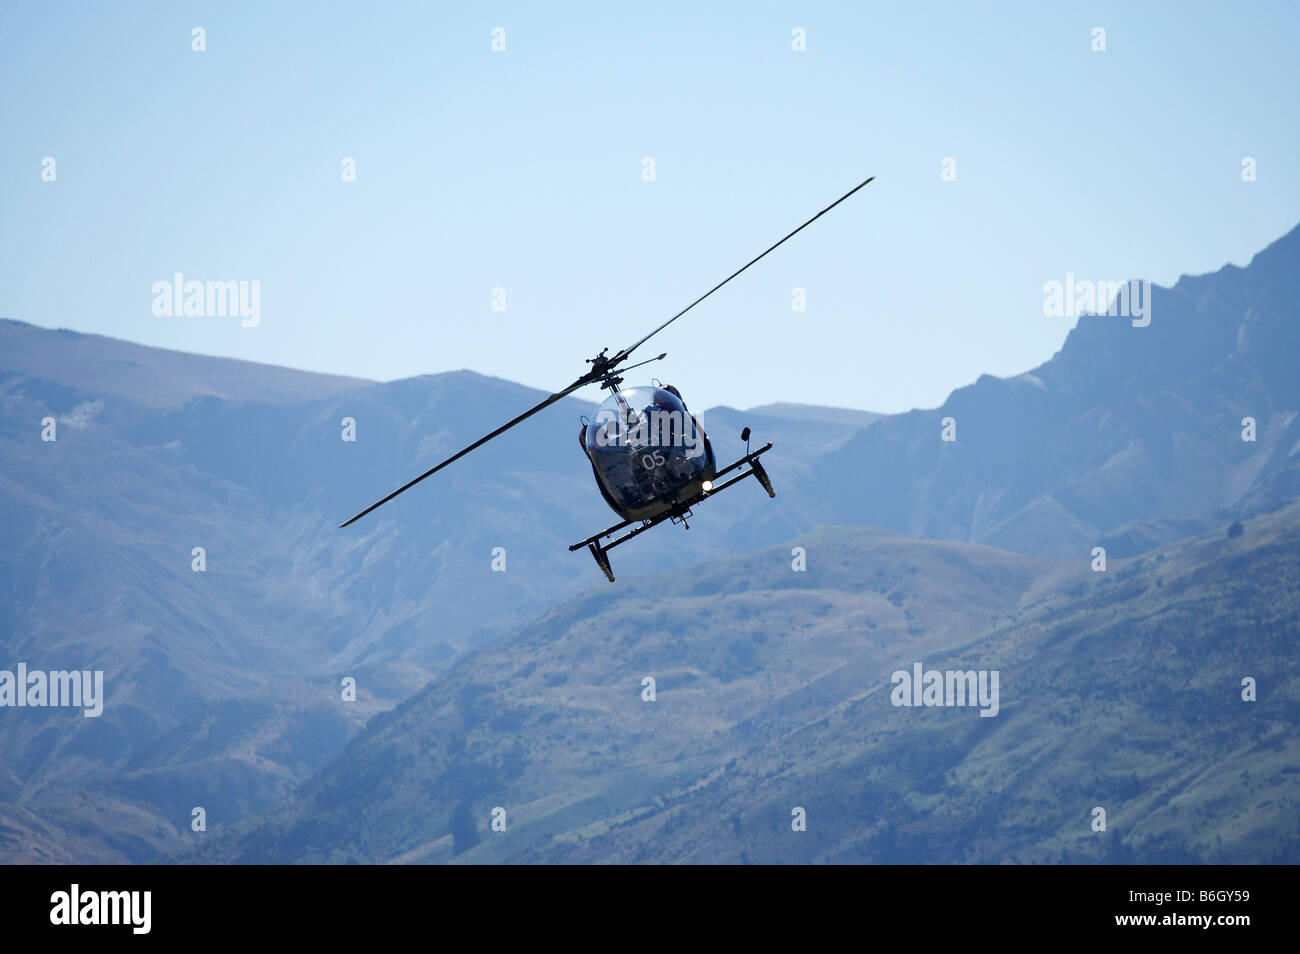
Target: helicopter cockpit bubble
[(645, 445)]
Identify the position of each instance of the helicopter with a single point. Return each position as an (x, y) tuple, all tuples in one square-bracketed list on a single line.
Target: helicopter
[(650, 456)]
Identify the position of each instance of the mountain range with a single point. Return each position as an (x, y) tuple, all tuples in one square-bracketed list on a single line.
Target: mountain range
[(522, 689)]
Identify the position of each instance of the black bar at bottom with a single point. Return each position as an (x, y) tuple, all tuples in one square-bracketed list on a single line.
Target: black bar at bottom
[(944, 905)]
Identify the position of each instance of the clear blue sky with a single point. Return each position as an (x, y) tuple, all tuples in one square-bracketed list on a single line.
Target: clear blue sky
[(522, 169)]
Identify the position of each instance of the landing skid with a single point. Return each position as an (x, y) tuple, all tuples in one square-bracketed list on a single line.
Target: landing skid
[(679, 512)]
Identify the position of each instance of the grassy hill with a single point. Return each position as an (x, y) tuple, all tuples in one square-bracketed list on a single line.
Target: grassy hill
[(1118, 689), (1128, 698)]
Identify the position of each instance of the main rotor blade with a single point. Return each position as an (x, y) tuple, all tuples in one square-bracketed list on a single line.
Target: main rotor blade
[(603, 367), (478, 443), (622, 355)]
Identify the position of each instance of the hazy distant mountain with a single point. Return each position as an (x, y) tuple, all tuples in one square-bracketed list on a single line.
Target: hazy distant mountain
[(147, 377), (845, 416), (1124, 425), (1119, 689)]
